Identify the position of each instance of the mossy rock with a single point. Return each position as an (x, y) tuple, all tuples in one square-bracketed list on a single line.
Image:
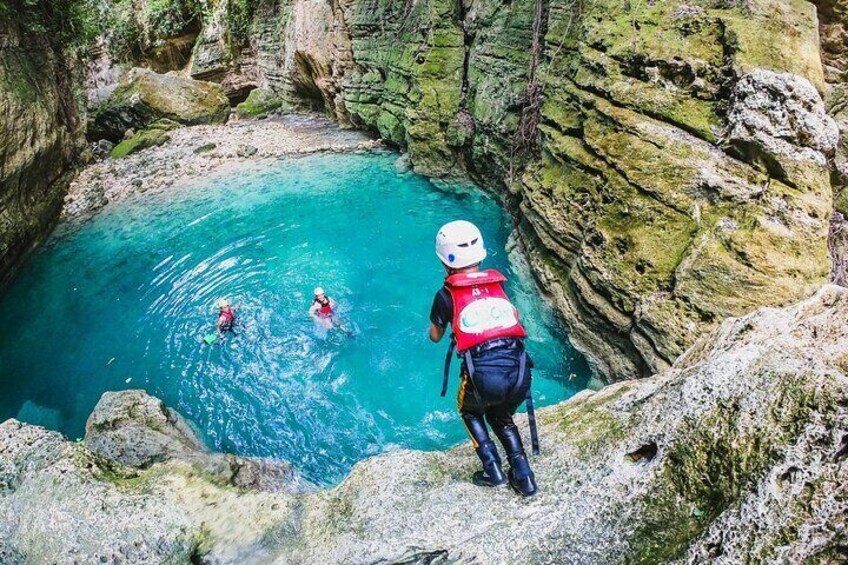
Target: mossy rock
[(153, 137), (260, 102), (144, 97)]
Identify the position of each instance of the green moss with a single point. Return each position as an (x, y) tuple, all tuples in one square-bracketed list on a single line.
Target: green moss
[(141, 140), (588, 423), (259, 103)]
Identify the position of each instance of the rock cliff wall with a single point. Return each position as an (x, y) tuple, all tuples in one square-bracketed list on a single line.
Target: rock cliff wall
[(40, 136), (738, 453), (670, 164)]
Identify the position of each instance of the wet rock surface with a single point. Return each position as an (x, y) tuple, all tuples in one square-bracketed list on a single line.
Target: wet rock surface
[(736, 453), (41, 138)]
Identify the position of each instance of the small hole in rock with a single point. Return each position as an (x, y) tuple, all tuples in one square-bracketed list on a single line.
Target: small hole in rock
[(644, 454), (714, 549), (842, 452), (790, 474)]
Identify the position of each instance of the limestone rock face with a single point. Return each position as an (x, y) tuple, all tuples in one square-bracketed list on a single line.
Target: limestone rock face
[(739, 452), (298, 49), (682, 175), (144, 96), (40, 137)]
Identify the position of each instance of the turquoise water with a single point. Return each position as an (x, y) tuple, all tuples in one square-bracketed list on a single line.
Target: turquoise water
[(124, 300)]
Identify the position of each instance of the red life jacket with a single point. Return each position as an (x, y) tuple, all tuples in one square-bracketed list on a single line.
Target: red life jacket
[(481, 309), (325, 308), (229, 317)]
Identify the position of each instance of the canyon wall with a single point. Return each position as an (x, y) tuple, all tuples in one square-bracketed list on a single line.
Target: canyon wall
[(737, 454), (670, 164), (41, 135)]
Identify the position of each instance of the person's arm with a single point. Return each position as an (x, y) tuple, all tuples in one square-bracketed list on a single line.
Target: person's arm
[(437, 332), (440, 315), (313, 310), (220, 324)]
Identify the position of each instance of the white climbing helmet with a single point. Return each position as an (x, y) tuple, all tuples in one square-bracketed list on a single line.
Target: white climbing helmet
[(319, 291), (459, 244)]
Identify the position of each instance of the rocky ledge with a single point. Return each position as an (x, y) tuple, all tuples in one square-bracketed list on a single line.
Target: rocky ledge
[(737, 453), (186, 153)]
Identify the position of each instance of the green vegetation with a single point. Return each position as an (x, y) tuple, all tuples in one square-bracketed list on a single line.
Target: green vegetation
[(260, 102), (68, 25), (151, 137), (138, 26), (238, 17)]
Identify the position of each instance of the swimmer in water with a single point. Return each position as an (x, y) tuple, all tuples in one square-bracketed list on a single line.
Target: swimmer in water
[(226, 318), (322, 309)]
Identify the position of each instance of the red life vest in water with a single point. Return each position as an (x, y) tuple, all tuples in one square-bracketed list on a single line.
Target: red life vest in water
[(228, 316), (481, 309), (325, 308)]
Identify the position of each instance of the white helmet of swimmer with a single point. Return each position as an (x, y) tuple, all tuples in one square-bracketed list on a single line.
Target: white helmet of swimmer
[(459, 244), (318, 291)]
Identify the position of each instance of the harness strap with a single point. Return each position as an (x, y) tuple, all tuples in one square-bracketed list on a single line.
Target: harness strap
[(448, 358), (531, 416), (531, 412)]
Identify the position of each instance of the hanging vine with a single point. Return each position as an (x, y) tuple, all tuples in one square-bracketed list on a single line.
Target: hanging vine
[(527, 137)]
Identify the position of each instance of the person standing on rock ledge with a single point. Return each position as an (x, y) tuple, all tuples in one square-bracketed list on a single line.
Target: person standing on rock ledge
[(495, 375)]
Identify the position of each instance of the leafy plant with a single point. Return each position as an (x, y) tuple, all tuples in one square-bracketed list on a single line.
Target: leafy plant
[(239, 16)]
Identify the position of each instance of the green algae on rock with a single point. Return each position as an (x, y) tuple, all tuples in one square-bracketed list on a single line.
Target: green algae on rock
[(153, 136), (738, 450)]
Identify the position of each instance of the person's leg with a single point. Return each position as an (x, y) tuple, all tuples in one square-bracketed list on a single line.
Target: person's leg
[(500, 417), (475, 424)]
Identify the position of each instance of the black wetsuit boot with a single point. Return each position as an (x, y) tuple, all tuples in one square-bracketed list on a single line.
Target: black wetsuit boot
[(521, 477), (492, 474)]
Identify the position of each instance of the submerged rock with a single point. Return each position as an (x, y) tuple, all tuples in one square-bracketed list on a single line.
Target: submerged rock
[(737, 453), (145, 96)]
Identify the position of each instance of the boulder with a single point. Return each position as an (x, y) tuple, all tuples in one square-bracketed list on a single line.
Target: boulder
[(153, 136), (144, 96), (737, 453), (245, 151), (137, 430), (260, 102)]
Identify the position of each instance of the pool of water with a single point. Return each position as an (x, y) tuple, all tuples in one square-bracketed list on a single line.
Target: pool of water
[(124, 300)]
